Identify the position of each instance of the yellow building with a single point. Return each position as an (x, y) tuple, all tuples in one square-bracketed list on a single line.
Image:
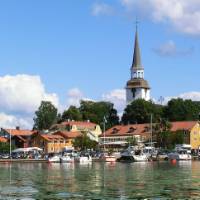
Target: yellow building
[(195, 136), (69, 137), (49, 143), (54, 143)]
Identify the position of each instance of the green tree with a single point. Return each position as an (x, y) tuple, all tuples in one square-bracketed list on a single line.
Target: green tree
[(162, 133), (72, 113), (182, 110), (45, 116), (5, 147), (96, 111), (139, 112), (131, 141), (177, 138), (84, 142)]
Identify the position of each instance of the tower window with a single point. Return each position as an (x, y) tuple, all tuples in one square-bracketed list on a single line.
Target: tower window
[(133, 92)]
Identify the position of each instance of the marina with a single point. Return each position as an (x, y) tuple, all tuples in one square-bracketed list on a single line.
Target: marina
[(99, 180)]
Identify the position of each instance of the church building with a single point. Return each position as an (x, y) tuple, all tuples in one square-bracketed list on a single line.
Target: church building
[(137, 87)]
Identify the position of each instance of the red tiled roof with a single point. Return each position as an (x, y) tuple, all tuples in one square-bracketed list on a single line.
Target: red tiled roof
[(183, 125), (79, 123), (51, 137), (142, 129), (2, 139), (68, 134), (132, 129), (14, 132)]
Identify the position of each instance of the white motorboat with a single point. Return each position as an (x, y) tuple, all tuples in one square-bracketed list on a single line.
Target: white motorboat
[(140, 158), (133, 155), (54, 158), (84, 159), (108, 158), (179, 155), (66, 159)]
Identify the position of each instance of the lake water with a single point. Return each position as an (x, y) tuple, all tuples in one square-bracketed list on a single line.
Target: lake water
[(151, 180)]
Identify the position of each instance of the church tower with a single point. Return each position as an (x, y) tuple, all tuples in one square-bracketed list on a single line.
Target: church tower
[(137, 87)]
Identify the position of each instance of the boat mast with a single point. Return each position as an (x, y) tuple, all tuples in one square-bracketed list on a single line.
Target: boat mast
[(104, 135), (151, 127)]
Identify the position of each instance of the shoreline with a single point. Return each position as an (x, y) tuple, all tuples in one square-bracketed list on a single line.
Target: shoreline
[(23, 161)]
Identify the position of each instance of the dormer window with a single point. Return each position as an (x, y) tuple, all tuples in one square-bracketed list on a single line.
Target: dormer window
[(146, 129), (115, 130), (131, 129)]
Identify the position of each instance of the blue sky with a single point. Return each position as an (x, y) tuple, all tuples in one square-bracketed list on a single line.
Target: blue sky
[(83, 49)]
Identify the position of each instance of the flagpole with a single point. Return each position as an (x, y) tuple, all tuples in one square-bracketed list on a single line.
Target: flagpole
[(10, 144), (104, 135), (151, 128)]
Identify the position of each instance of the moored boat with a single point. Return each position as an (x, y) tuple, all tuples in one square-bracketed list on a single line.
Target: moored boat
[(84, 158), (132, 154), (140, 158), (180, 155), (108, 158), (66, 159), (54, 158)]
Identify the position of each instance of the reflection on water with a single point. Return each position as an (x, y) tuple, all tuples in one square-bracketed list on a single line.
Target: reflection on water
[(100, 180)]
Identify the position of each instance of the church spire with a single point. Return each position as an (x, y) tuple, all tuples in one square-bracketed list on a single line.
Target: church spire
[(136, 56)]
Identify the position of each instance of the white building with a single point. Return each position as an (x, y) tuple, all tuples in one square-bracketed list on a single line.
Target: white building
[(137, 87)]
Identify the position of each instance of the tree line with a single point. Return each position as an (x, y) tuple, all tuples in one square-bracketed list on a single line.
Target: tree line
[(138, 112)]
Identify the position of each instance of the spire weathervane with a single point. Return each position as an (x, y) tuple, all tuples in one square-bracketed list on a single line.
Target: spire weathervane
[(136, 23)]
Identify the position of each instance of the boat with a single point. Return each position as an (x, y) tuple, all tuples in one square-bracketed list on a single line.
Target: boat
[(54, 158), (132, 154), (180, 154), (161, 155), (68, 155), (107, 158), (66, 159), (83, 158), (140, 158)]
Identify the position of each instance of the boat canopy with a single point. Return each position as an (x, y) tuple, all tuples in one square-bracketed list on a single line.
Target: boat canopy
[(22, 150)]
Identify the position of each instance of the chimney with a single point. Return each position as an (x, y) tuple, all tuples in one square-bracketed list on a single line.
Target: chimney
[(17, 128)]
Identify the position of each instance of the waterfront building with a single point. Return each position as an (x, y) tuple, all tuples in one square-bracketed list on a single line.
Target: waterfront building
[(20, 138), (55, 142), (49, 143), (92, 130), (137, 87), (116, 137), (69, 136)]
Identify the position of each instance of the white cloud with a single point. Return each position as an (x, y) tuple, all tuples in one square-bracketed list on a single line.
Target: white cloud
[(74, 96), (23, 93), (11, 121), (102, 9), (170, 49), (194, 96), (183, 15), (118, 97)]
